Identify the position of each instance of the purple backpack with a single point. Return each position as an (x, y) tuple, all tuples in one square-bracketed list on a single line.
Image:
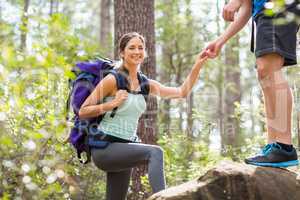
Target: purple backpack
[(88, 75)]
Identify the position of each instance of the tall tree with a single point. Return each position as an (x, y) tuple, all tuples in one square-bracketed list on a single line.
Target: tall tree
[(165, 69), (298, 128), (53, 6), (24, 26), (219, 86), (106, 27), (229, 94), (190, 98), (232, 93), (165, 76), (138, 15)]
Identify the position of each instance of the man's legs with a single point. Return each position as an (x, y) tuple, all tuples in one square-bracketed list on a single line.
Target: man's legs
[(278, 106), (277, 98), (275, 48)]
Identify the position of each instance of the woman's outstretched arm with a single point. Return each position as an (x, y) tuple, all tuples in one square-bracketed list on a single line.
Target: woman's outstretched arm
[(161, 90)]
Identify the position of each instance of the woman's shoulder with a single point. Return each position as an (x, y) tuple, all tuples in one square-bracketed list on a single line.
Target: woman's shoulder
[(110, 78)]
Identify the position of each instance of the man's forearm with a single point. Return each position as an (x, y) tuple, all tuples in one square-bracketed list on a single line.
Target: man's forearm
[(236, 2), (240, 21)]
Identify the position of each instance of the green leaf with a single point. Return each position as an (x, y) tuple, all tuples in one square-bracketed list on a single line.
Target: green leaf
[(6, 141)]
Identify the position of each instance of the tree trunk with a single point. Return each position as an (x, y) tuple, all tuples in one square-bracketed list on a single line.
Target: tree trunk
[(298, 129), (51, 7), (232, 93), (24, 27), (190, 120), (165, 119), (220, 85), (190, 98), (165, 77), (106, 27), (165, 116), (0, 12), (138, 15), (178, 71), (220, 111)]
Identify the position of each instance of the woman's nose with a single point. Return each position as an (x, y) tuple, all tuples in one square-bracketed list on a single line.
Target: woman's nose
[(136, 51)]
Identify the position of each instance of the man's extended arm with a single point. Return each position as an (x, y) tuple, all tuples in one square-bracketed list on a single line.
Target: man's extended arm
[(244, 14)]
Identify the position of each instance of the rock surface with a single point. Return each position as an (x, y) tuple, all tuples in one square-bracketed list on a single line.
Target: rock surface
[(235, 181)]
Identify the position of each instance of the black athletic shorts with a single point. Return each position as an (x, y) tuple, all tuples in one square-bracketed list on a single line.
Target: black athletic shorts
[(274, 38)]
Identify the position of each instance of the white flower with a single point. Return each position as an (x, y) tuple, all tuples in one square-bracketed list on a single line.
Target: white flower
[(46, 170), (44, 133), (59, 173), (2, 116), (8, 163), (13, 75), (40, 58), (58, 70), (81, 53), (25, 168), (56, 122), (29, 93), (26, 179), (1, 69), (31, 186), (66, 195), (51, 178), (30, 145), (20, 58)]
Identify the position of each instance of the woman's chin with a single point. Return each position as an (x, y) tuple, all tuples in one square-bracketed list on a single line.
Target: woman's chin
[(136, 63)]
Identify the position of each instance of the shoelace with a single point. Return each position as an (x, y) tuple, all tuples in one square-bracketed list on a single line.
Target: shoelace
[(268, 148)]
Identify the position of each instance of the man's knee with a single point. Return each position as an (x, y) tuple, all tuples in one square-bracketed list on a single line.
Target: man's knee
[(268, 64)]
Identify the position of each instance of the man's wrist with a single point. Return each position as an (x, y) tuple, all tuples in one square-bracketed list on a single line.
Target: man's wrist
[(221, 41)]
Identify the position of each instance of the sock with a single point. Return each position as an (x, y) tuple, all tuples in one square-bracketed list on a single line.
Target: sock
[(287, 147)]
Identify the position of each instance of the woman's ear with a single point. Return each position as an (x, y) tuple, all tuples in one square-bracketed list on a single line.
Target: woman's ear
[(121, 55)]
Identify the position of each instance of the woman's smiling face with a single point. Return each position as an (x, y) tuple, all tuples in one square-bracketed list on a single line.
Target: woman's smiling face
[(134, 52)]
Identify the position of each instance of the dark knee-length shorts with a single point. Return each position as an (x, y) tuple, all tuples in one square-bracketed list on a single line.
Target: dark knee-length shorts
[(277, 34)]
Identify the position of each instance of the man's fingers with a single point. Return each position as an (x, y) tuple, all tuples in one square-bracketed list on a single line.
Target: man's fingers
[(228, 15), (203, 54), (211, 54), (231, 16)]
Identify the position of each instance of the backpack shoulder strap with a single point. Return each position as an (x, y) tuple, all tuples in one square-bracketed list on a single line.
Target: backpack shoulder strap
[(144, 83), (120, 79), (121, 85)]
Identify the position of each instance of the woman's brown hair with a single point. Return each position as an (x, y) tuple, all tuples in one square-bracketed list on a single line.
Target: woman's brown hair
[(122, 45)]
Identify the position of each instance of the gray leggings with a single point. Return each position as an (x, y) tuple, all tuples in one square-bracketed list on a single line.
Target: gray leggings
[(118, 159)]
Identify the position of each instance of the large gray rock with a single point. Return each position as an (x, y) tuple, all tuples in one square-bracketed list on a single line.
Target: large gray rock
[(235, 181)]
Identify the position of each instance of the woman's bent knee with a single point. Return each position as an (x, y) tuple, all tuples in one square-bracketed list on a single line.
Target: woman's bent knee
[(157, 152)]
